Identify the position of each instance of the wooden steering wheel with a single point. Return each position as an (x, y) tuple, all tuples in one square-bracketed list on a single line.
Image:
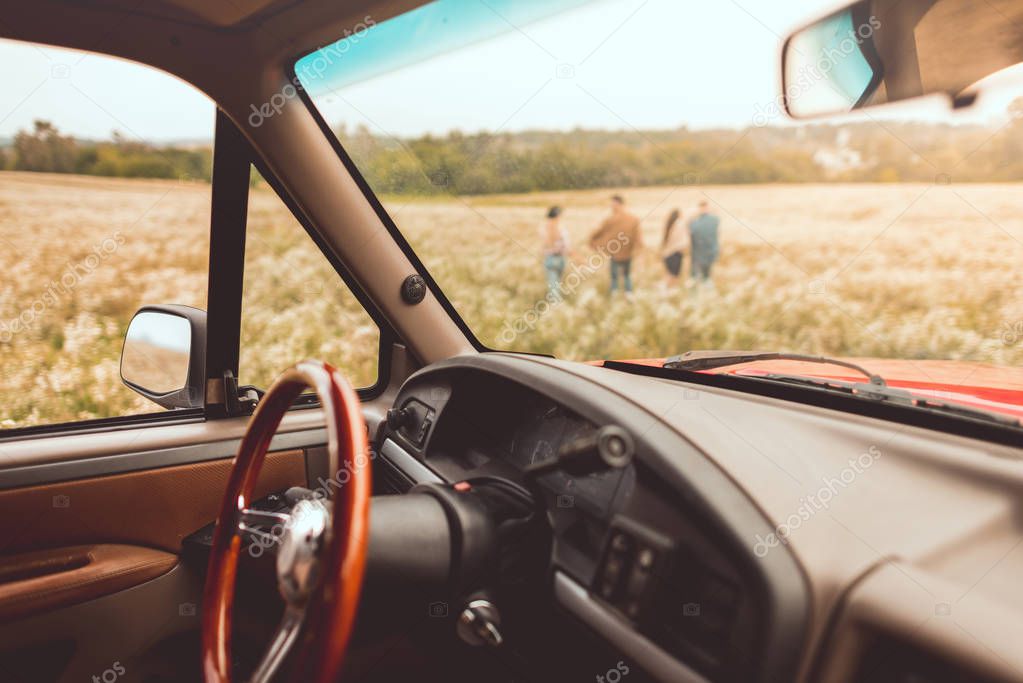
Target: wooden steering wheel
[(320, 553)]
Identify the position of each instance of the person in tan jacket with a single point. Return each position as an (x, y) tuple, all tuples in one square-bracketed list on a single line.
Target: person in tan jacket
[(619, 238)]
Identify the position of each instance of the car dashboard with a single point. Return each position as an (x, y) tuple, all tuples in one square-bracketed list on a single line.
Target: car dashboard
[(649, 556)]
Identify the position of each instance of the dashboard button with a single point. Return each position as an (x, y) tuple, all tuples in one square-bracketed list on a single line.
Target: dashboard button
[(424, 429), (613, 568), (620, 542), (639, 578), (645, 559)]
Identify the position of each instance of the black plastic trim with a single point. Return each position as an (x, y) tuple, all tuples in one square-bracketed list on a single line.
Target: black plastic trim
[(403, 461), (228, 220), (731, 516)]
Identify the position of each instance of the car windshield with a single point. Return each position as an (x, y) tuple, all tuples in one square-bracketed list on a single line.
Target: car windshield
[(617, 179)]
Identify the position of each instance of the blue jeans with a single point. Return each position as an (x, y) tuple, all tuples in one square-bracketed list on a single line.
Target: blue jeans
[(554, 267), (701, 270), (625, 268)]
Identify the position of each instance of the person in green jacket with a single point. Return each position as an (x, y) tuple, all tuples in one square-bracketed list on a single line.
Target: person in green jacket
[(703, 236)]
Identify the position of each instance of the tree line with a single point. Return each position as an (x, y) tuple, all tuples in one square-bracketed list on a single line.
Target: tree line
[(45, 149), (487, 163)]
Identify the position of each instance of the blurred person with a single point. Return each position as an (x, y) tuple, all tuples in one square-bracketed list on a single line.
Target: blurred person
[(619, 238), (555, 247), (703, 239), (674, 245)]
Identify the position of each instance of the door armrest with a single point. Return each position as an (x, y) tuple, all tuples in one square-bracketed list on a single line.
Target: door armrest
[(44, 580)]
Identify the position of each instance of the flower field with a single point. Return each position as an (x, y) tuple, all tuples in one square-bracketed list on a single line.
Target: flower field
[(899, 270)]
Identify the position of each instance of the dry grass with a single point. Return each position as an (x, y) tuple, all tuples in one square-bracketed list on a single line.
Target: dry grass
[(81, 255), (901, 271), (889, 270)]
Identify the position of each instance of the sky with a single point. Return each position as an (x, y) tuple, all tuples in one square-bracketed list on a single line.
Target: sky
[(89, 96), (612, 64)]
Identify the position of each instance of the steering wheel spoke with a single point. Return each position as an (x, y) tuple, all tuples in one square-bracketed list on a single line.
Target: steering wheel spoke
[(249, 518), (280, 644), (263, 530)]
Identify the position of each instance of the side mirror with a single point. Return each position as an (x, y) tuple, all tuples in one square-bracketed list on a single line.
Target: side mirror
[(164, 355)]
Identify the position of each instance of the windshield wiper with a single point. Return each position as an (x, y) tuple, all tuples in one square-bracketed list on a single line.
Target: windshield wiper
[(709, 360), (891, 394), (877, 389)]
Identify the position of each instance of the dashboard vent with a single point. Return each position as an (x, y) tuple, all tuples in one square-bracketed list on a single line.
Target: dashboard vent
[(700, 613)]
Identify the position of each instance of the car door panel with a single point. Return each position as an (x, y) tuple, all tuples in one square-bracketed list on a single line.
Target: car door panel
[(94, 568), (134, 631), (43, 580), (93, 574), (154, 508)]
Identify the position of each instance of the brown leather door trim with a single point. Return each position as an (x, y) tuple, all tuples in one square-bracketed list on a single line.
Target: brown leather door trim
[(39, 581), (155, 508)]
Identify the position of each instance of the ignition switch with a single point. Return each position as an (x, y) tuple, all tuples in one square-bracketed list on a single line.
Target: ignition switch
[(398, 418), (479, 624)]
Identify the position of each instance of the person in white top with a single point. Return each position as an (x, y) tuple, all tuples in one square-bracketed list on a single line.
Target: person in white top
[(555, 249), (673, 248)]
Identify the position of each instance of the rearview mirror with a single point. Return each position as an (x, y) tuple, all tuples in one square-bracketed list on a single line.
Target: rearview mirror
[(164, 355), (878, 51)]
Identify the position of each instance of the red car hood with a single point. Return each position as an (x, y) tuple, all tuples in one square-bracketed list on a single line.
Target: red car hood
[(988, 387)]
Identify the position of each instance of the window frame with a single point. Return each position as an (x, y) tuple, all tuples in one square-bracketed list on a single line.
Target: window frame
[(382, 214), (233, 157), (387, 335), (156, 418), (228, 218)]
